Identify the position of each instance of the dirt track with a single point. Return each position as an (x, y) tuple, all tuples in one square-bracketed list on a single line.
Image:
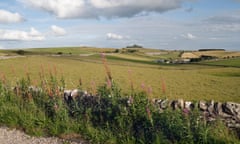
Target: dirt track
[(13, 136)]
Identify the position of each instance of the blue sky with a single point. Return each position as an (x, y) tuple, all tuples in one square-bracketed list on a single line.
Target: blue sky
[(160, 24)]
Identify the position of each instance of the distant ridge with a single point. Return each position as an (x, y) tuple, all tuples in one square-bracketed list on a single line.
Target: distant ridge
[(211, 50)]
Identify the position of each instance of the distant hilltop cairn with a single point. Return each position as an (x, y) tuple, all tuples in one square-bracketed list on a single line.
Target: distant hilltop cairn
[(211, 50)]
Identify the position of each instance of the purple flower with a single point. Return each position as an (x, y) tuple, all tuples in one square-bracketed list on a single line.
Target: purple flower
[(185, 111), (149, 90), (149, 114), (143, 86), (109, 83)]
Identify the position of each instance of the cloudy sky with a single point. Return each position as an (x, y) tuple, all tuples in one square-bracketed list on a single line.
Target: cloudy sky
[(160, 24)]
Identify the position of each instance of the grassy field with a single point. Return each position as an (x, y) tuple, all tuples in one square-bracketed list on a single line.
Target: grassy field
[(62, 50), (228, 62), (190, 82)]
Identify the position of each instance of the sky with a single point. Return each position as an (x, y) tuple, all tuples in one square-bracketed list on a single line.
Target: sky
[(159, 24)]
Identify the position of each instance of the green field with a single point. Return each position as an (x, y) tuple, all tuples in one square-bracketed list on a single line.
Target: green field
[(189, 81), (229, 62)]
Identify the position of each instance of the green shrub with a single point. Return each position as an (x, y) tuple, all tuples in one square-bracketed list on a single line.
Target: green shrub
[(20, 52)]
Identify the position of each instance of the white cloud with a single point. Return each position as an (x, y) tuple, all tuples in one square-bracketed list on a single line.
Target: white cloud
[(189, 36), (34, 32), (16, 35), (226, 22), (58, 31), (224, 19), (112, 36), (104, 8), (8, 17), (213, 38), (224, 27)]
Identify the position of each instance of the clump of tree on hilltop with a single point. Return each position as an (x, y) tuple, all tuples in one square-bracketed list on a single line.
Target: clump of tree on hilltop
[(134, 46)]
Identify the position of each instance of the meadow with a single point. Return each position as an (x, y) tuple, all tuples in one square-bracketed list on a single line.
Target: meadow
[(188, 81), (226, 63)]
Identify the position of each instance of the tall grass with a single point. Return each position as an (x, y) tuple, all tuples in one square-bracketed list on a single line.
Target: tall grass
[(104, 116)]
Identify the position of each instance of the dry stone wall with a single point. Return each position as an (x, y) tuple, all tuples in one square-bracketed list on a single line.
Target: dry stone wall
[(228, 112)]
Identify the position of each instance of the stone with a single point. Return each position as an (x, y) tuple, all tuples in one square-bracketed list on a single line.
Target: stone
[(218, 108), (164, 104), (173, 104), (180, 103), (75, 93), (210, 119), (210, 107), (169, 103), (233, 109), (237, 125), (232, 125), (188, 105), (158, 104), (203, 105), (159, 101), (156, 101), (224, 115), (67, 94)]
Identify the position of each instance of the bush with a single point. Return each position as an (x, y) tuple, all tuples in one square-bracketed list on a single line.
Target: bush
[(20, 52), (59, 53)]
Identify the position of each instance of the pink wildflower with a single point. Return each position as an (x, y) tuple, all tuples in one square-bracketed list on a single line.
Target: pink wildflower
[(130, 99), (143, 86), (185, 111), (149, 90), (109, 83), (149, 114), (104, 61), (50, 93)]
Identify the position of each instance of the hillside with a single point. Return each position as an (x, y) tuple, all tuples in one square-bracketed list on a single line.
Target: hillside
[(196, 81)]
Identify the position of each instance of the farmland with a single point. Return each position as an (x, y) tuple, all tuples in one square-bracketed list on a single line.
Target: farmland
[(230, 63), (118, 106), (188, 81)]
